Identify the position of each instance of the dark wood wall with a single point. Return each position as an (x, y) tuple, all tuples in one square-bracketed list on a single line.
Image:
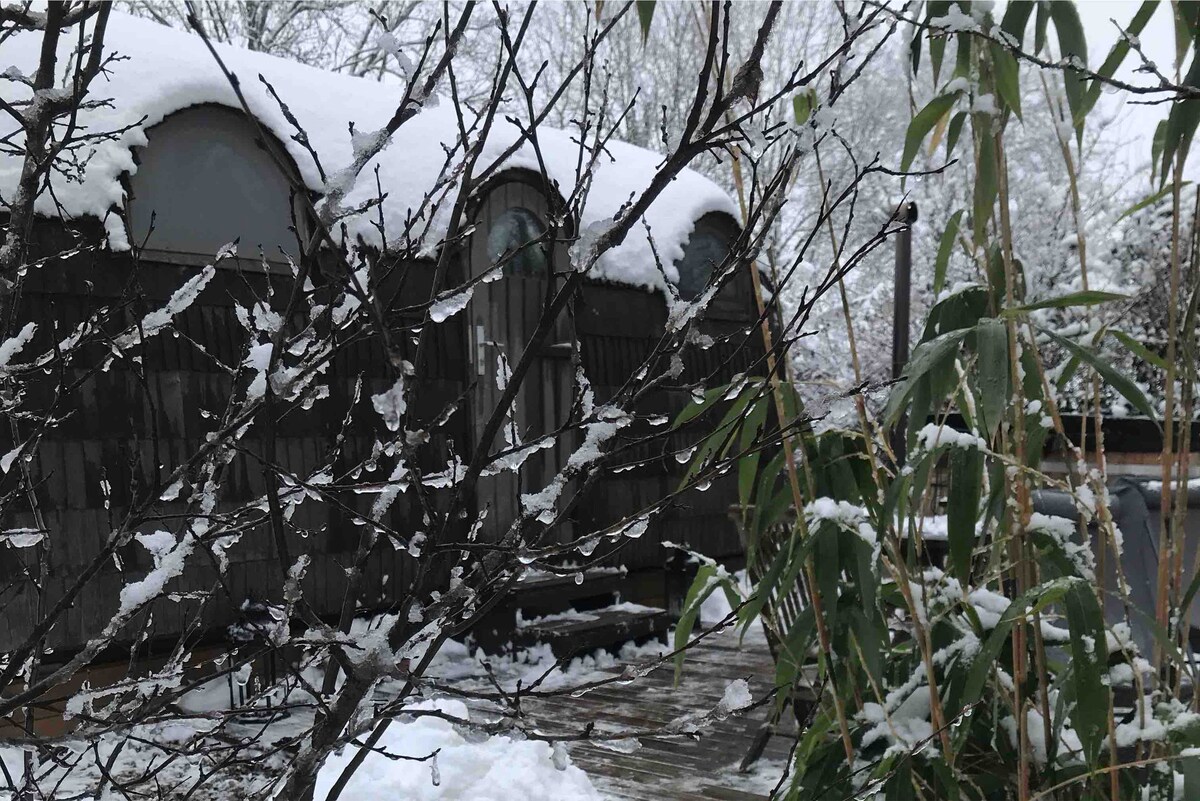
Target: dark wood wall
[(129, 421), (127, 425), (618, 328)]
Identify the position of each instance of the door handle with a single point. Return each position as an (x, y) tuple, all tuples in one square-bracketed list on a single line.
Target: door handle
[(480, 350)]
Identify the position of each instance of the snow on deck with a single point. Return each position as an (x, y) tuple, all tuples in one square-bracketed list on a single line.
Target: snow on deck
[(495, 768), (672, 768), (169, 70)]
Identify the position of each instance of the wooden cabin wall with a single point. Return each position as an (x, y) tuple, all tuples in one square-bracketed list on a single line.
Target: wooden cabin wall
[(130, 425), (131, 430), (617, 328)]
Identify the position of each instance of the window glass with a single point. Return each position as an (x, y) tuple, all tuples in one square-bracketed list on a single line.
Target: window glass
[(206, 182), (516, 232), (707, 248)]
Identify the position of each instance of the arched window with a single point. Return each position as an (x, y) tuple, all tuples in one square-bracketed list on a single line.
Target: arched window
[(206, 182), (515, 233), (706, 249)]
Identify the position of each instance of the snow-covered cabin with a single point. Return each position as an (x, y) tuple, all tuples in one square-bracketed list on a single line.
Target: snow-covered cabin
[(188, 171)]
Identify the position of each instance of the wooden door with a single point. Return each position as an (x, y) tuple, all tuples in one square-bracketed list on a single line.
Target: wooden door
[(504, 313)]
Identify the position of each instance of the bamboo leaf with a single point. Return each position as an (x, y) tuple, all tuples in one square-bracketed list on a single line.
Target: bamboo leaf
[(985, 187), (945, 246), (1035, 599), (927, 356), (827, 561), (956, 127), (764, 590), (937, 44), (991, 343), (702, 587), (748, 464), (1181, 124), (1071, 44), (939, 130), (1039, 27), (1184, 15), (693, 410), (1141, 351), (962, 56), (1118, 52), (1120, 382), (645, 10), (1088, 658), (921, 125), (1006, 74), (1089, 298), (1155, 196), (1156, 147), (1016, 17), (962, 509)]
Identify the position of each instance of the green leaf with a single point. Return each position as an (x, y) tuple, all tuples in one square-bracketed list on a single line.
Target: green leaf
[(991, 343), (701, 588), (1071, 42), (1141, 351), (1039, 27), (1016, 17), (1091, 297), (1088, 658), (1156, 147), (952, 137), (923, 123), (756, 418), (927, 357), (1181, 124), (1185, 16), (1035, 599), (803, 105), (962, 508), (719, 440), (827, 564), (762, 592), (985, 187), (899, 784), (793, 653), (945, 245), (1007, 76), (962, 55), (693, 410), (1154, 197), (937, 44), (1118, 52), (645, 10), (1114, 377)]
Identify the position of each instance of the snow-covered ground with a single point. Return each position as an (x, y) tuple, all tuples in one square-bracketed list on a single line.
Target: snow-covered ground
[(467, 765), (429, 759)]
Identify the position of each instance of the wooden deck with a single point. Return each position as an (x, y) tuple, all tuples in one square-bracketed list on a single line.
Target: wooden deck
[(677, 769)]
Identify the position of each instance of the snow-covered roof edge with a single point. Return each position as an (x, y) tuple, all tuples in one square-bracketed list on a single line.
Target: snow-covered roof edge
[(166, 71)]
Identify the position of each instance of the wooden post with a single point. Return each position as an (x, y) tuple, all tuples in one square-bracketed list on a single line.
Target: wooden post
[(901, 306)]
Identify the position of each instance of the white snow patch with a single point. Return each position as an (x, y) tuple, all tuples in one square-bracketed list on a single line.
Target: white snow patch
[(494, 769)]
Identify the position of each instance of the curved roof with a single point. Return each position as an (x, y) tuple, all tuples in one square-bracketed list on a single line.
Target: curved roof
[(167, 70)]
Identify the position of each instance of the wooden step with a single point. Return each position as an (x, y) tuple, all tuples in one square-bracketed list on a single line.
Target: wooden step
[(577, 632), (545, 593)]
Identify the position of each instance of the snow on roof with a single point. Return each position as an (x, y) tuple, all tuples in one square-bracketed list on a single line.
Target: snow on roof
[(169, 70)]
